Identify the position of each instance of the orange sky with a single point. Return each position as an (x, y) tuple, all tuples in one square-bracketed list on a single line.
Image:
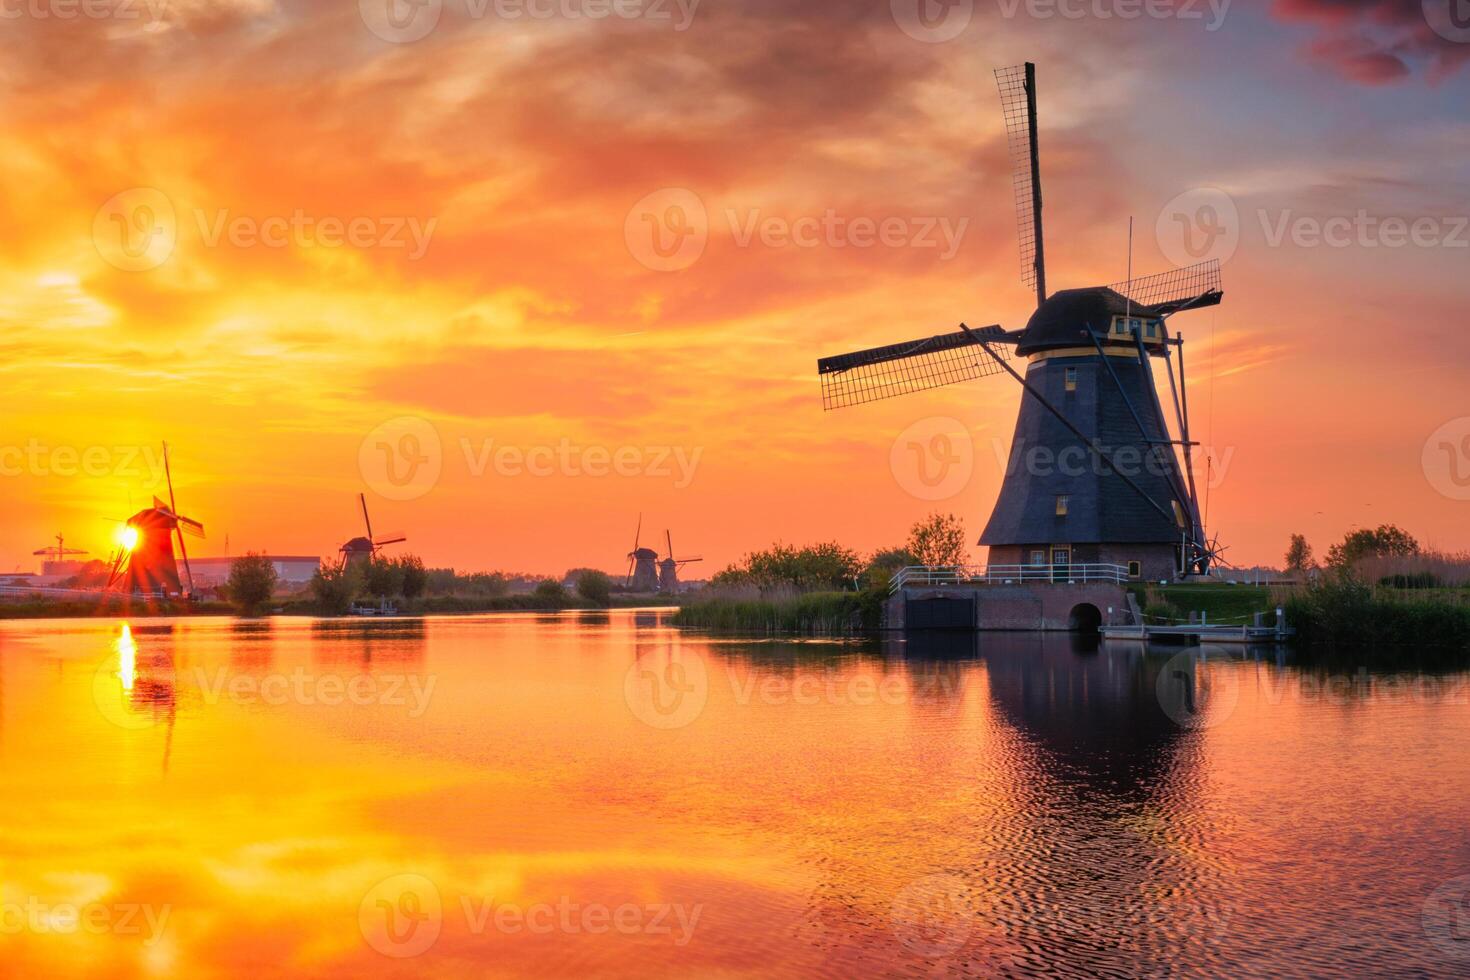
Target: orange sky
[(491, 181)]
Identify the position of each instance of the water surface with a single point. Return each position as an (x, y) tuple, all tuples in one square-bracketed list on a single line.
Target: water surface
[(592, 794)]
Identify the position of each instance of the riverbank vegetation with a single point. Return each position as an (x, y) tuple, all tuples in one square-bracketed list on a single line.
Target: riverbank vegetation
[(1384, 596), (821, 589)]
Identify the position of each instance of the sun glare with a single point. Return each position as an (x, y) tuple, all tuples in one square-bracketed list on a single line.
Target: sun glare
[(127, 537)]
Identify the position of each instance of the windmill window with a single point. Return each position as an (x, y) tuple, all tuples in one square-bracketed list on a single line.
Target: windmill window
[(1071, 379), (1062, 501), (1038, 556), (1135, 569)]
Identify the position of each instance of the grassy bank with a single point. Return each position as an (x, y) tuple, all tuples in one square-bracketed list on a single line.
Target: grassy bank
[(109, 607), (1221, 603), (114, 606), (449, 604), (809, 613), (1346, 615)]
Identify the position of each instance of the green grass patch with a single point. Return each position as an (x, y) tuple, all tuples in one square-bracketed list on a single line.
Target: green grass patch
[(1219, 602)]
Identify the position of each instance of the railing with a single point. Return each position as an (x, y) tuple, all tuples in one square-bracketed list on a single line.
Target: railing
[(1005, 574)]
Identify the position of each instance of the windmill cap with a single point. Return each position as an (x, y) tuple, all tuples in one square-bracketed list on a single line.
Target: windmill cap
[(1063, 317)]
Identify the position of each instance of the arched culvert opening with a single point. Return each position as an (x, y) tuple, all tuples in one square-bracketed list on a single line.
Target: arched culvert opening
[(1084, 618)]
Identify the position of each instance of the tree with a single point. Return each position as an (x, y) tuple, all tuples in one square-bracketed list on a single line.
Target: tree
[(415, 578), (594, 586), (384, 577), (886, 563), (1299, 556), (938, 539), (1384, 541), (251, 583), (335, 586)]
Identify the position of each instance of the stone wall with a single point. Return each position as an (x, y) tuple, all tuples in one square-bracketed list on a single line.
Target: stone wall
[(1038, 606)]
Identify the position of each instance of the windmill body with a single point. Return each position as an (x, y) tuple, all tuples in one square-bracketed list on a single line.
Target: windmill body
[(645, 570), (1095, 476), (1059, 504), (151, 565), (361, 549), (146, 563), (668, 568)]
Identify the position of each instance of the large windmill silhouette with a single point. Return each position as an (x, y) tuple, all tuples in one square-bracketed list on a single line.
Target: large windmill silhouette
[(1107, 487), (145, 560)]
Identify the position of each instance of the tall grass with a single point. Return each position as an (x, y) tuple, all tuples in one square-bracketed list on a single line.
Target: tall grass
[(748, 610), (1427, 569), (1345, 613)]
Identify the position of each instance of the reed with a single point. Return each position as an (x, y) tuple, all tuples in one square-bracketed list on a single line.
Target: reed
[(1345, 613), (808, 613)]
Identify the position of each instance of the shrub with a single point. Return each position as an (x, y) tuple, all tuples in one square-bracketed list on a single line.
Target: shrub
[(1413, 580), (415, 578), (384, 577), (885, 564), (594, 586), (334, 586), (812, 568), (550, 590), (251, 583)]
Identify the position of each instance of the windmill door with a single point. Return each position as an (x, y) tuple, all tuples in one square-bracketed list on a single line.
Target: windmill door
[(1061, 564)]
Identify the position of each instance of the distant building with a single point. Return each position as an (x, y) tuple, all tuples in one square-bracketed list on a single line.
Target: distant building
[(61, 569), (290, 569)]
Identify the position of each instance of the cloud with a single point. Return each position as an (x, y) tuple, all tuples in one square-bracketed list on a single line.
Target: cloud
[(1375, 42)]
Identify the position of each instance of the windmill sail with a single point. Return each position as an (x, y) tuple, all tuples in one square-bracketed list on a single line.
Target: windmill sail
[(1018, 105), (1169, 292), (898, 369)]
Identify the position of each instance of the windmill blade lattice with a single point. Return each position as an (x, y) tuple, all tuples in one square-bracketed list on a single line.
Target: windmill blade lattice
[(1169, 292), (1018, 105), (898, 369)]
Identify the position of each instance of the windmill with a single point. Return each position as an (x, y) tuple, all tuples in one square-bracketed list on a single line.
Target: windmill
[(668, 569), (145, 560), (56, 554), (642, 572), (1089, 396), (364, 548)]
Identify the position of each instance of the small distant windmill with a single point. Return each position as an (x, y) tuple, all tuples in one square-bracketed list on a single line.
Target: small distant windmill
[(642, 572), (668, 569), (58, 552), (362, 549), (145, 559)]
